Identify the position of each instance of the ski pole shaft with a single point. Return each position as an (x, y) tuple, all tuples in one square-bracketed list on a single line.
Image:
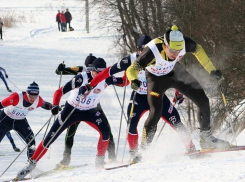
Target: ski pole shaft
[(26, 146), (129, 122), (13, 84), (119, 102), (226, 108), (121, 118)]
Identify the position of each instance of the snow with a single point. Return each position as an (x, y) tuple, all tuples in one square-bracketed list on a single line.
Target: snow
[(32, 50)]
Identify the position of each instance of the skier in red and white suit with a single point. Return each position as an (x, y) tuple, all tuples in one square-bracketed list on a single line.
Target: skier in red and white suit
[(13, 116)]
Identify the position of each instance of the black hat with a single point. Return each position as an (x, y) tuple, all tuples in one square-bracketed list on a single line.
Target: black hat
[(33, 89), (143, 40), (99, 64), (89, 60)]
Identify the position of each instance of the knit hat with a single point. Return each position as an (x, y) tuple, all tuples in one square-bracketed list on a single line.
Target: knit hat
[(174, 39), (99, 64), (33, 89), (89, 60), (143, 40)]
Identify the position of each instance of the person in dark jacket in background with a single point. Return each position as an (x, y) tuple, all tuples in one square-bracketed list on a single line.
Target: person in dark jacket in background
[(58, 19), (1, 30), (68, 18)]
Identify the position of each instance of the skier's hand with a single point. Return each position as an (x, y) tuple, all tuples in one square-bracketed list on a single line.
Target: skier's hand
[(61, 67), (6, 76), (135, 84), (84, 89), (55, 109), (178, 98), (217, 74)]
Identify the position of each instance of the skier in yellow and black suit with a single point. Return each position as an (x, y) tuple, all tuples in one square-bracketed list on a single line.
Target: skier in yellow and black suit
[(160, 59)]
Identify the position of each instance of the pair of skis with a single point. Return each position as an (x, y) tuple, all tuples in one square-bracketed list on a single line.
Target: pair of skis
[(194, 154)]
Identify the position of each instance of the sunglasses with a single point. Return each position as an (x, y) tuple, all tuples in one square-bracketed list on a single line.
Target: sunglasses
[(33, 96)]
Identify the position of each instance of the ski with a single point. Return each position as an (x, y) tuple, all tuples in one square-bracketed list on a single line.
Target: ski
[(47, 173), (58, 170), (117, 167), (15, 179), (208, 151)]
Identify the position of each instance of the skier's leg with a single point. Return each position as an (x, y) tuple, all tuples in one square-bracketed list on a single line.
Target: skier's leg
[(111, 146), (23, 128), (190, 87), (69, 140), (172, 117), (8, 134)]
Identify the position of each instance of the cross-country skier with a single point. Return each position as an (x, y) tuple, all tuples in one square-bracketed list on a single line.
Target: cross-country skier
[(86, 110), (71, 130), (13, 116), (2, 77), (168, 113), (8, 134), (160, 59)]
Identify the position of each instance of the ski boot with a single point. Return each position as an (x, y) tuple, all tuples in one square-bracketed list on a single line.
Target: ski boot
[(8, 89), (99, 162), (16, 149), (207, 141), (31, 165), (64, 163), (135, 156)]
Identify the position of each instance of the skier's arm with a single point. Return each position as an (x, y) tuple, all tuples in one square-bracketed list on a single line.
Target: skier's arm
[(43, 104), (72, 84), (122, 65), (2, 69), (200, 54), (70, 70), (13, 99)]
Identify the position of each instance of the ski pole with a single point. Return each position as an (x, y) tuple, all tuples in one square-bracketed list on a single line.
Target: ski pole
[(119, 102), (54, 117), (121, 117), (129, 123), (225, 103), (14, 84), (26, 146)]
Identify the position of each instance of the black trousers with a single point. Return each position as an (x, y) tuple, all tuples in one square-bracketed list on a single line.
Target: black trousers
[(183, 81), (21, 127), (1, 33), (59, 25), (71, 131)]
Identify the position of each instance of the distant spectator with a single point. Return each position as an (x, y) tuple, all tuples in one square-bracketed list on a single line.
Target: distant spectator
[(1, 30), (68, 18), (2, 77), (58, 19), (63, 21)]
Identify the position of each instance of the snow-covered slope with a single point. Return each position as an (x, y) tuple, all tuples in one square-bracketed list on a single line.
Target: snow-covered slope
[(32, 51)]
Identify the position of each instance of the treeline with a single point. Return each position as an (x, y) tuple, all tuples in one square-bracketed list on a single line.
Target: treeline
[(216, 25)]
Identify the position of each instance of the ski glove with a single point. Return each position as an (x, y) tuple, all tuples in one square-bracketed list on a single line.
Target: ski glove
[(178, 98), (135, 84), (217, 74), (83, 89), (61, 67), (6, 76), (55, 109)]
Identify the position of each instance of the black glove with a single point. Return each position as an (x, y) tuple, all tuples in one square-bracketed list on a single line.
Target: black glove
[(217, 74), (83, 89), (55, 110), (6, 76), (61, 67), (135, 84)]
